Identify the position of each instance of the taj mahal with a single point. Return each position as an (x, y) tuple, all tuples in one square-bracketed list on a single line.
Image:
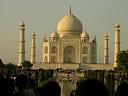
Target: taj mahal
[(69, 47)]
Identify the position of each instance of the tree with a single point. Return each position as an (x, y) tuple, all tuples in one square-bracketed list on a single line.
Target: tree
[(1, 64), (122, 59), (10, 66), (26, 64)]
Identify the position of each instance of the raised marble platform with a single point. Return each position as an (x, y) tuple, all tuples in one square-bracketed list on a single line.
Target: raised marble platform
[(74, 66)]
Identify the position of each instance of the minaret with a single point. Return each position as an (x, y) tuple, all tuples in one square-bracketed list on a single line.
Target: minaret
[(33, 49), (106, 55), (22, 44), (117, 43)]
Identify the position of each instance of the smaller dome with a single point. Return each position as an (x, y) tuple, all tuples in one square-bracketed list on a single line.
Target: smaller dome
[(106, 34), (117, 25), (54, 34), (84, 35), (33, 34)]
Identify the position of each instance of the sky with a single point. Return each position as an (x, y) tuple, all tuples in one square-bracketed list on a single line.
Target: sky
[(42, 16)]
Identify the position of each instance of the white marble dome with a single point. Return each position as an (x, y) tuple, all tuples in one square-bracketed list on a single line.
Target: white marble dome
[(54, 34), (69, 25), (84, 35)]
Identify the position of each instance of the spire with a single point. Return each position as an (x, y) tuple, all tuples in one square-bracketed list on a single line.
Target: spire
[(70, 10), (22, 23), (117, 25), (44, 36), (44, 39)]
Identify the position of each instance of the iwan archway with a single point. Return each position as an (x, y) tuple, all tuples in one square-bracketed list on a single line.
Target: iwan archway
[(69, 54)]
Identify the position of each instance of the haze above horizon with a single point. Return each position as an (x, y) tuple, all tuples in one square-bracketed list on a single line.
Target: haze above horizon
[(97, 17)]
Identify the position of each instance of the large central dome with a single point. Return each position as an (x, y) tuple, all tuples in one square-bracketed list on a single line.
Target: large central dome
[(69, 25)]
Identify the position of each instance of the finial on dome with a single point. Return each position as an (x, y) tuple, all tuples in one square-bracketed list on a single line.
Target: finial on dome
[(44, 38), (106, 34), (22, 23), (33, 34), (70, 9), (117, 24)]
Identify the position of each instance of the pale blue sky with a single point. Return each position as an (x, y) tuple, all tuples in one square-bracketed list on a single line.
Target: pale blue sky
[(97, 17)]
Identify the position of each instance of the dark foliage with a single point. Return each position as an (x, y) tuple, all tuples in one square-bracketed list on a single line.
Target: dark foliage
[(1, 64)]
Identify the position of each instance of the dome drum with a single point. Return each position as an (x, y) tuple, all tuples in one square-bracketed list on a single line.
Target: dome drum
[(70, 33)]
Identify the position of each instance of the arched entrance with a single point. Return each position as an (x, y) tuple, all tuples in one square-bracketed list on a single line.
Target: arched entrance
[(69, 54), (53, 59)]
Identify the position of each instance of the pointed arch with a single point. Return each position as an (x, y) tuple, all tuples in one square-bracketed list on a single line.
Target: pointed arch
[(46, 50), (93, 50), (69, 54), (85, 50), (53, 59), (85, 59), (45, 59), (54, 50)]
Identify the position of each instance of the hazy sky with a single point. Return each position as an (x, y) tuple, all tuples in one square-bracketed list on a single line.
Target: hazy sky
[(97, 17)]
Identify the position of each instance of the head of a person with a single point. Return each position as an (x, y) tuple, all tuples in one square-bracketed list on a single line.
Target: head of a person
[(50, 88), (21, 81), (122, 89), (91, 87)]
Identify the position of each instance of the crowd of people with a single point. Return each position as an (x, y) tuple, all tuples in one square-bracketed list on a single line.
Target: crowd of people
[(22, 85)]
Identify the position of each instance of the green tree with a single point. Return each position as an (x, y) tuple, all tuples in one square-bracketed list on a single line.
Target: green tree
[(110, 83), (1, 64), (10, 66), (26, 64), (122, 59)]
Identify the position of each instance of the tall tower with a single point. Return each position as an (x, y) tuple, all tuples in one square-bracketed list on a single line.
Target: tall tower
[(106, 54), (22, 44), (33, 49), (117, 43)]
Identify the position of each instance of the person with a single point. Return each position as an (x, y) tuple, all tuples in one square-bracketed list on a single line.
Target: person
[(122, 89), (7, 86), (21, 83), (73, 93), (50, 88), (91, 87)]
